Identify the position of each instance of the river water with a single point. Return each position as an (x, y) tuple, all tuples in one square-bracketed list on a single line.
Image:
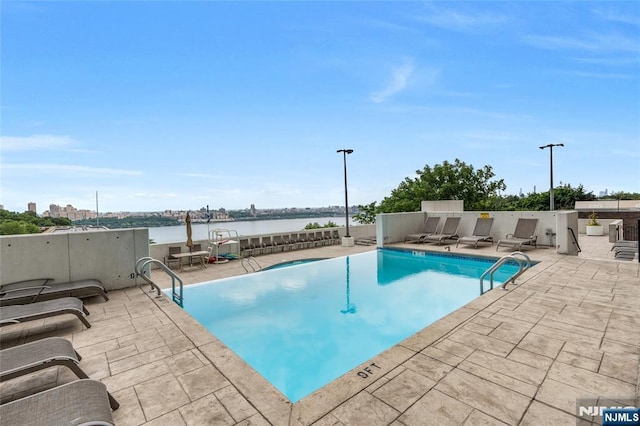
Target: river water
[(174, 234)]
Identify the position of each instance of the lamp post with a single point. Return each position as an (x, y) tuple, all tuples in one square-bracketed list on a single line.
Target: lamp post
[(346, 199), (550, 146)]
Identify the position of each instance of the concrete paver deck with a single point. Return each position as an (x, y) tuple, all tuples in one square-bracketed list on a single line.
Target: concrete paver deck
[(568, 330)]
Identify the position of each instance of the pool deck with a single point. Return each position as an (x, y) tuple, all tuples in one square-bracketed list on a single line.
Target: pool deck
[(568, 330)]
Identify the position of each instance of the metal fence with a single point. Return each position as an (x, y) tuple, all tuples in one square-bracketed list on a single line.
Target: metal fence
[(629, 233)]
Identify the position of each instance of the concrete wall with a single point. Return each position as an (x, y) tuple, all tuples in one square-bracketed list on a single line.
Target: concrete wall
[(108, 256), (608, 205), (395, 226), (567, 232), (442, 206)]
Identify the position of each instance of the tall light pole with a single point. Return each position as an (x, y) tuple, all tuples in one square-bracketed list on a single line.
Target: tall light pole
[(550, 146), (346, 198)]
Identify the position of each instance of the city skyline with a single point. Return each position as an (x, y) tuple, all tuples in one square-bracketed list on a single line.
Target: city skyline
[(71, 212), (245, 103)]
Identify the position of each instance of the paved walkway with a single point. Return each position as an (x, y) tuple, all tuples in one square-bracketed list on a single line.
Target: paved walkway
[(568, 330)]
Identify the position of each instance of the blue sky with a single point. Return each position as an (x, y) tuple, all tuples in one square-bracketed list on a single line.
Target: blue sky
[(179, 105)]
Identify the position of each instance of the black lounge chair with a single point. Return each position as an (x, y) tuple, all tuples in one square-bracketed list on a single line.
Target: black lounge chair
[(523, 235), (481, 233), (17, 314), (624, 244), (41, 354), (39, 289), (430, 227), (82, 402), (625, 252)]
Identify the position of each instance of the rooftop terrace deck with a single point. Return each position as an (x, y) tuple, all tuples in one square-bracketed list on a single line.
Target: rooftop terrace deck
[(569, 329)]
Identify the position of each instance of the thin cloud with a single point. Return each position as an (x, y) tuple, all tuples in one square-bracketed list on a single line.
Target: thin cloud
[(611, 62), (625, 153), (70, 169), (399, 80), (615, 16), (155, 195), (202, 175), (464, 21), (35, 142), (602, 75), (593, 43)]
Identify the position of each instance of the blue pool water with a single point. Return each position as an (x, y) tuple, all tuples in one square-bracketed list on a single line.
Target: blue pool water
[(303, 326)]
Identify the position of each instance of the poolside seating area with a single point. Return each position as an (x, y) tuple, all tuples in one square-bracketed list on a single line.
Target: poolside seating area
[(516, 357), (254, 246), (25, 365)]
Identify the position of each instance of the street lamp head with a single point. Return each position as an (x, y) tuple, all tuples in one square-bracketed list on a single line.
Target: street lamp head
[(551, 145), (346, 151)]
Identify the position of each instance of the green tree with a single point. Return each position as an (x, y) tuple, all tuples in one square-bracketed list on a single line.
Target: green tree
[(316, 225), (367, 213), (621, 196), (446, 181), (564, 198), (27, 222), (13, 227)]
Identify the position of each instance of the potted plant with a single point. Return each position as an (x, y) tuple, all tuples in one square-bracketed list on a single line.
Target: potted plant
[(593, 226)]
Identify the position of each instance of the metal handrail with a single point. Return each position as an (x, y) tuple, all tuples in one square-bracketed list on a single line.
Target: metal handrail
[(575, 239), (143, 262), (516, 255), (248, 262)]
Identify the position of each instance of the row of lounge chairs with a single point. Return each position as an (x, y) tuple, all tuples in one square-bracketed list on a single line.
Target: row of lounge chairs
[(286, 242), (524, 233), (81, 402)]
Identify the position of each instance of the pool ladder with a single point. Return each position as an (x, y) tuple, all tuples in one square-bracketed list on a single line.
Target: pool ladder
[(524, 263), (250, 263), (142, 271)]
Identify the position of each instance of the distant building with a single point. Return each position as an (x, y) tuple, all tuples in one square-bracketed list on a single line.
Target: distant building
[(69, 212), (32, 207), (252, 210)]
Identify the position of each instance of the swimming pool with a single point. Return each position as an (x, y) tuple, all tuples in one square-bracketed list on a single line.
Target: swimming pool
[(303, 326)]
